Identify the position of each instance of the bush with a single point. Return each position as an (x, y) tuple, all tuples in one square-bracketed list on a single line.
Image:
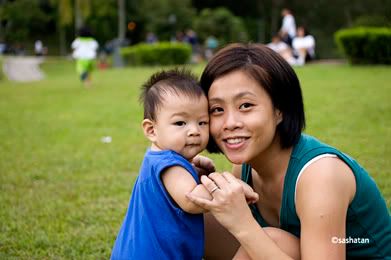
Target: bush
[(368, 45), (163, 53)]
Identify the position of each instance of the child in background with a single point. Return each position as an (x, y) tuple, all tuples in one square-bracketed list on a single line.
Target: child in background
[(161, 223), (85, 48)]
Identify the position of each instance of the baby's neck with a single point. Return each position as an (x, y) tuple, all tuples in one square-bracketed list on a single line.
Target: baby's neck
[(154, 147)]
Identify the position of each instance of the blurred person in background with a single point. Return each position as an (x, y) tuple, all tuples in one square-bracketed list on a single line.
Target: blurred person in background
[(85, 49), (304, 45), (288, 27)]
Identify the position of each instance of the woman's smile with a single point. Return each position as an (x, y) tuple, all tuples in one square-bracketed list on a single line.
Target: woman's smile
[(235, 143)]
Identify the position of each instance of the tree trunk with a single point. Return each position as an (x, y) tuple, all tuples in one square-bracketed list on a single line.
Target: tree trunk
[(62, 40), (78, 17), (121, 20)]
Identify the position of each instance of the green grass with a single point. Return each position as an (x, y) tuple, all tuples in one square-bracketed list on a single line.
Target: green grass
[(63, 192)]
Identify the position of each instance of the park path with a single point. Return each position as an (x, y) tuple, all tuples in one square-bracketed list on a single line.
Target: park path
[(23, 68)]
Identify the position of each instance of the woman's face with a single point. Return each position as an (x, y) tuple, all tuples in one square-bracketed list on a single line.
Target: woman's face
[(242, 117)]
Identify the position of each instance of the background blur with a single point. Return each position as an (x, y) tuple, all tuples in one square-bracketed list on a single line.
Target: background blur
[(55, 22)]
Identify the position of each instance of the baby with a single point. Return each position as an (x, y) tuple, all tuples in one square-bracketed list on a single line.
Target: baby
[(161, 223)]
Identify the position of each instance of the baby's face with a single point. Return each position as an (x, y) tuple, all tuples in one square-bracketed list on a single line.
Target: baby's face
[(182, 125)]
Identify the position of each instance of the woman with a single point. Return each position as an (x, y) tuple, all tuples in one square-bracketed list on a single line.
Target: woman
[(314, 201)]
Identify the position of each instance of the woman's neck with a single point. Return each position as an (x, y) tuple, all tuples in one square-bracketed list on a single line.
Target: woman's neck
[(272, 164)]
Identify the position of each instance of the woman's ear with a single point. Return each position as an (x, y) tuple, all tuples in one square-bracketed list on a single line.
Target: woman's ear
[(279, 116), (149, 129)]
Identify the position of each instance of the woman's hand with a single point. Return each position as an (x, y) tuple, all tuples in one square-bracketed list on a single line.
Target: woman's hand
[(229, 204), (203, 165)]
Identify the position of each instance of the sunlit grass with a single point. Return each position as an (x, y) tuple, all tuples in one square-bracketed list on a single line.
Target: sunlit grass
[(63, 192)]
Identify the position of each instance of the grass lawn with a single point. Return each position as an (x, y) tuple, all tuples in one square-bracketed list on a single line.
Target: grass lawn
[(63, 193)]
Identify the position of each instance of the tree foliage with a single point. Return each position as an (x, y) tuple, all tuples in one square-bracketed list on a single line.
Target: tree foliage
[(23, 18), (26, 20), (220, 23), (164, 17)]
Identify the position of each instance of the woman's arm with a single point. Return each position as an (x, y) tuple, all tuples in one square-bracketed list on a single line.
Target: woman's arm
[(229, 207), (324, 192)]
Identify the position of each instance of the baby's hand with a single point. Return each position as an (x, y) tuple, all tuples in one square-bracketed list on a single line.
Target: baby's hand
[(249, 193), (203, 165)]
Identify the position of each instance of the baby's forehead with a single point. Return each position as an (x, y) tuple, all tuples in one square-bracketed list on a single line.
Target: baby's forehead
[(171, 95), (175, 102)]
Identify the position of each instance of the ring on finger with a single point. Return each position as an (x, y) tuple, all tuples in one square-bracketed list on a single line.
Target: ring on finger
[(214, 189)]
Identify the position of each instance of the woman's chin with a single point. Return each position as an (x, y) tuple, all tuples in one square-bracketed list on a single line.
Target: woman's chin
[(235, 159)]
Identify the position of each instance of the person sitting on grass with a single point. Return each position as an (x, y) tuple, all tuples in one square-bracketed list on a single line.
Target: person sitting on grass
[(304, 46), (281, 48), (161, 223), (315, 202)]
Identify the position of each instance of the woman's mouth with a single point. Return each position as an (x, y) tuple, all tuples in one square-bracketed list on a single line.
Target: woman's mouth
[(235, 143)]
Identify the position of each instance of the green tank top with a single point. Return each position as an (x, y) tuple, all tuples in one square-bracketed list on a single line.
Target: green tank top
[(368, 223)]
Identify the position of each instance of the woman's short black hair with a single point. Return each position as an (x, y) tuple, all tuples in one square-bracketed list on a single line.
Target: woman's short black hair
[(272, 73), (178, 81)]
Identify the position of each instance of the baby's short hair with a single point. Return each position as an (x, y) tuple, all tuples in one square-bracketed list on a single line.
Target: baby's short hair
[(174, 81)]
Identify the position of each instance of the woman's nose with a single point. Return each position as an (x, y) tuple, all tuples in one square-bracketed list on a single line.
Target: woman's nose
[(232, 121)]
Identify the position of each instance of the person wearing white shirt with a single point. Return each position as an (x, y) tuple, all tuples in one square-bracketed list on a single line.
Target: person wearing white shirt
[(280, 47), (288, 27), (85, 48), (304, 45)]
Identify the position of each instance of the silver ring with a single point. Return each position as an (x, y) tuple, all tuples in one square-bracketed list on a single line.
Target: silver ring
[(214, 189)]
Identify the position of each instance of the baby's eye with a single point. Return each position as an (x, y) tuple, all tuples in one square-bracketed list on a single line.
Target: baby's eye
[(204, 123), (215, 110), (180, 123), (245, 105)]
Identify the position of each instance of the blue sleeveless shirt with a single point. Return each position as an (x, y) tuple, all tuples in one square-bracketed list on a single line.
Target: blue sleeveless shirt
[(154, 226), (367, 216)]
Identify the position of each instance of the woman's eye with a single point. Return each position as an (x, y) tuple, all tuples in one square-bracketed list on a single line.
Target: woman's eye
[(180, 123), (245, 105), (215, 110)]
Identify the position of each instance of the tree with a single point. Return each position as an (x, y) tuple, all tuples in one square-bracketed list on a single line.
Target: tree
[(18, 25), (121, 19), (164, 17), (64, 19), (220, 23), (82, 12)]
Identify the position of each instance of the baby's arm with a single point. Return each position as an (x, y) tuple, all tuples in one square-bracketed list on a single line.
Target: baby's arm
[(178, 182)]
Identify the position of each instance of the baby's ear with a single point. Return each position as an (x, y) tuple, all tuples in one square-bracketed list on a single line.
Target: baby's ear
[(149, 129)]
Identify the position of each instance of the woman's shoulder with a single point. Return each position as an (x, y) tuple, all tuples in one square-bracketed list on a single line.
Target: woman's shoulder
[(310, 146)]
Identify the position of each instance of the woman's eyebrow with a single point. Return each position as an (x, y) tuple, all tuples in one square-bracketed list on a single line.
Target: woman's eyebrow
[(245, 93), (237, 96), (216, 100)]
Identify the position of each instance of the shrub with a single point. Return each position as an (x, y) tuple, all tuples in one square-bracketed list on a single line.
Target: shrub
[(370, 45), (163, 53)]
